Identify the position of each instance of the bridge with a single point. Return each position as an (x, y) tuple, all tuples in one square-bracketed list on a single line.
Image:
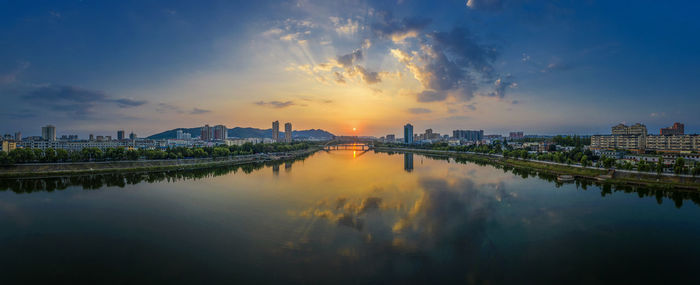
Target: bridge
[(349, 143)]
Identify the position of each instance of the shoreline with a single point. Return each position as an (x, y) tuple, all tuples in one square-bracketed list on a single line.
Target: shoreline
[(589, 173), (50, 170)]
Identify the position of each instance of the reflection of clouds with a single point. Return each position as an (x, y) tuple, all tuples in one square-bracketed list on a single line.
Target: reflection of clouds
[(445, 209), (343, 211), (440, 222)]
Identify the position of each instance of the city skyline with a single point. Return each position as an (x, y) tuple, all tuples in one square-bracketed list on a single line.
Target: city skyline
[(369, 65)]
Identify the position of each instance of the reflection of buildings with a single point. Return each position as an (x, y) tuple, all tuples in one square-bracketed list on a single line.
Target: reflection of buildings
[(287, 166), (408, 162), (276, 169)]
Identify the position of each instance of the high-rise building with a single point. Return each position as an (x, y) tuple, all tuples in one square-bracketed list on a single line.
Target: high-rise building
[(179, 134), (120, 134), (288, 132), (18, 136), (205, 133), (390, 137), (48, 133), (516, 135), (468, 135), (636, 129), (219, 132), (276, 131), (408, 134), (132, 136), (676, 129), (92, 137)]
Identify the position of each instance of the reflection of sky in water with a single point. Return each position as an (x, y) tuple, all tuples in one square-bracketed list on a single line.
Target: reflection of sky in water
[(345, 216)]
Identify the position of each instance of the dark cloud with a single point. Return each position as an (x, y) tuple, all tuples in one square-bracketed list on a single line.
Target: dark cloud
[(450, 62), (431, 96), (370, 77), (419, 111), (165, 107), (348, 60), (348, 63), (127, 103), (501, 85), (275, 104), (77, 101), (197, 111)]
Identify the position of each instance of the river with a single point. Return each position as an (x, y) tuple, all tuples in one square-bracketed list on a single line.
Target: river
[(344, 217)]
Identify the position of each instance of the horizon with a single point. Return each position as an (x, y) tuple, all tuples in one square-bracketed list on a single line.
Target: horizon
[(370, 65)]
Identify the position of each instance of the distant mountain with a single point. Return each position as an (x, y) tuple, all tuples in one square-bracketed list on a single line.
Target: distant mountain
[(239, 132)]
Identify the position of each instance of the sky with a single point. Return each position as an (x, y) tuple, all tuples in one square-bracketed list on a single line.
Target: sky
[(542, 67)]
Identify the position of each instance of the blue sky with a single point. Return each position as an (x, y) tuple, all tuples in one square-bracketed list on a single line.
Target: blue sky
[(540, 66)]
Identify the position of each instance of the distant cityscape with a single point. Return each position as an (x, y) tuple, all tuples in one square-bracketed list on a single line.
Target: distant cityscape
[(623, 138), (209, 136)]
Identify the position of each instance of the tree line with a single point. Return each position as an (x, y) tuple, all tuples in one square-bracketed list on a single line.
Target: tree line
[(49, 155), (577, 155)]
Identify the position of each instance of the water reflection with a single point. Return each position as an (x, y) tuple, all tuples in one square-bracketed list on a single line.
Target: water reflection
[(408, 161), (97, 181), (339, 219)]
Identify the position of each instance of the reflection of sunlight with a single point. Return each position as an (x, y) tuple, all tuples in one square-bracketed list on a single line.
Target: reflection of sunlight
[(354, 154)]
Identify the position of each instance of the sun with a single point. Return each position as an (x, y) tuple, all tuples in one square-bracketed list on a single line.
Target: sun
[(354, 129)]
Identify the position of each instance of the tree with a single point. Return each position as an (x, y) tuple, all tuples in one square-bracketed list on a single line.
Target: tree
[(660, 165), (679, 166), (608, 162), (584, 161), (696, 169), (61, 155)]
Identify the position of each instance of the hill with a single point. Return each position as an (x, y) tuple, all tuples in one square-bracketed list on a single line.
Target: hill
[(239, 132)]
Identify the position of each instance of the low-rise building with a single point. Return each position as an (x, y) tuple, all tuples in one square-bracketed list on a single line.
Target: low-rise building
[(8, 146)]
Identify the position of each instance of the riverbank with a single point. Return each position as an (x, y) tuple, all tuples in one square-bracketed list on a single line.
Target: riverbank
[(552, 168), (41, 170)]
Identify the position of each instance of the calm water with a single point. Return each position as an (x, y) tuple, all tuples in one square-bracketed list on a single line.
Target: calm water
[(344, 217)]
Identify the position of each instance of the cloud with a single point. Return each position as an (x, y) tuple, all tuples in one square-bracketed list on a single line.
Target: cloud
[(339, 78), (348, 60), (557, 65), (449, 64), (419, 111), (398, 31), (165, 107), (128, 103), (370, 77), (275, 104), (345, 28), (490, 5), (197, 111), (11, 76), (501, 85), (75, 100), (431, 96)]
